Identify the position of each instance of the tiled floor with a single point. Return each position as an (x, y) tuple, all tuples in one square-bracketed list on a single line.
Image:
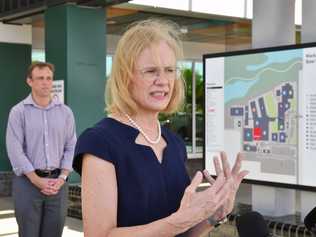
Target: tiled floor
[(8, 226)]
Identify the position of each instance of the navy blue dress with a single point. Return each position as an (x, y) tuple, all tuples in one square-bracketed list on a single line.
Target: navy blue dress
[(147, 189)]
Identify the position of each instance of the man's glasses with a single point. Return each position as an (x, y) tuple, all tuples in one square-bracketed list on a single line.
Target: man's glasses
[(152, 73)]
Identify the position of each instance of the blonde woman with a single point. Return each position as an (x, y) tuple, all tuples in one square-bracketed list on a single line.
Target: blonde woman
[(134, 180)]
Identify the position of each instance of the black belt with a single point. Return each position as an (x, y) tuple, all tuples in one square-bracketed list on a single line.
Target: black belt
[(48, 173)]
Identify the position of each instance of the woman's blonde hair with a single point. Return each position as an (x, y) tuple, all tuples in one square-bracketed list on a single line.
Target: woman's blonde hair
[(139, 36)]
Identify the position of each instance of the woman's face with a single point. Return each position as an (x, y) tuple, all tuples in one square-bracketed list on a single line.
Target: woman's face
[(154, 75)]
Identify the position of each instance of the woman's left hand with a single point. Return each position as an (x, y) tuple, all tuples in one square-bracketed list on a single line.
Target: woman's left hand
[(233, 176)]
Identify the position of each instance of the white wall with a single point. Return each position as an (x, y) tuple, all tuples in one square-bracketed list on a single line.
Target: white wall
[(15, 33)]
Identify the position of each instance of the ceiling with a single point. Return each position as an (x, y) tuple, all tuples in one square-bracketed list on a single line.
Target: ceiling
[(17, 9), (197, 27)]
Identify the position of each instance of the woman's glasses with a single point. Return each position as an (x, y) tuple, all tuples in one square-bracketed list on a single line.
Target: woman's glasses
[(152, 73)]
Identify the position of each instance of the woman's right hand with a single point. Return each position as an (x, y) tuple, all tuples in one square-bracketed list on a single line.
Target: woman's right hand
[(197, 206)]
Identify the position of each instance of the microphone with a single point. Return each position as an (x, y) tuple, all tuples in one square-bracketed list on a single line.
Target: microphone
[(310, 221), (252, 224)]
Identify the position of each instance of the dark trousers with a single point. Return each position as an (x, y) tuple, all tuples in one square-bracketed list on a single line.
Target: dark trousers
[(38, 215)]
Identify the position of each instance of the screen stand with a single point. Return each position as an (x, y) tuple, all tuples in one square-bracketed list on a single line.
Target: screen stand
[(308, 202), (270, 201)]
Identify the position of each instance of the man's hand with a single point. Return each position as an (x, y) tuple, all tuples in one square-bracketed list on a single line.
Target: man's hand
[(59, 183), (39, 182), (45, 185), (48, 186), (54, 186)]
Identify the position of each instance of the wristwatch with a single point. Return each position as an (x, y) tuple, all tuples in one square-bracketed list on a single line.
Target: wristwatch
[(216, 223), (63, 176)]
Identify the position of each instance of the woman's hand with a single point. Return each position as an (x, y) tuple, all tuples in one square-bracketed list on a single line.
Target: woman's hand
[(197, 206), (233, 179)]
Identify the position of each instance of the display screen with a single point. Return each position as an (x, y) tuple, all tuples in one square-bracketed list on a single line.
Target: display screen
[(262, 103)]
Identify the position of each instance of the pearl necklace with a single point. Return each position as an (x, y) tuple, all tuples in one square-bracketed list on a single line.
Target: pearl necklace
[(132, 122)]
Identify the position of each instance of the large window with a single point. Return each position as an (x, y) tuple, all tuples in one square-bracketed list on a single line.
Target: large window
[(181, 122), (109, 59), (38, 55), (199, 95), (188, 122)]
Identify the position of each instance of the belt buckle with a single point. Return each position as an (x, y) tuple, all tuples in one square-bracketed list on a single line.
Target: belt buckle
[(47, 172)]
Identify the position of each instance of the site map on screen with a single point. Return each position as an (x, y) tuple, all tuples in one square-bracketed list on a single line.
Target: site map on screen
[(263, 104)]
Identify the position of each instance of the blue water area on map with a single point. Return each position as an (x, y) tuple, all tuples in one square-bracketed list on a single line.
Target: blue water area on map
[(277, 57), (240, 88)]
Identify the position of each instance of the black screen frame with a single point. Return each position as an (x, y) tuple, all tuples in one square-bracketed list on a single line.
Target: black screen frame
[(255, 51)]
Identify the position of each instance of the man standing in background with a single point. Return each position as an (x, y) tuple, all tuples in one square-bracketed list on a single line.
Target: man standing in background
[(40, 143)]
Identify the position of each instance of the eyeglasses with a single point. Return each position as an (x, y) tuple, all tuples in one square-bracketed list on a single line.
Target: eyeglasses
[(152, 73)]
